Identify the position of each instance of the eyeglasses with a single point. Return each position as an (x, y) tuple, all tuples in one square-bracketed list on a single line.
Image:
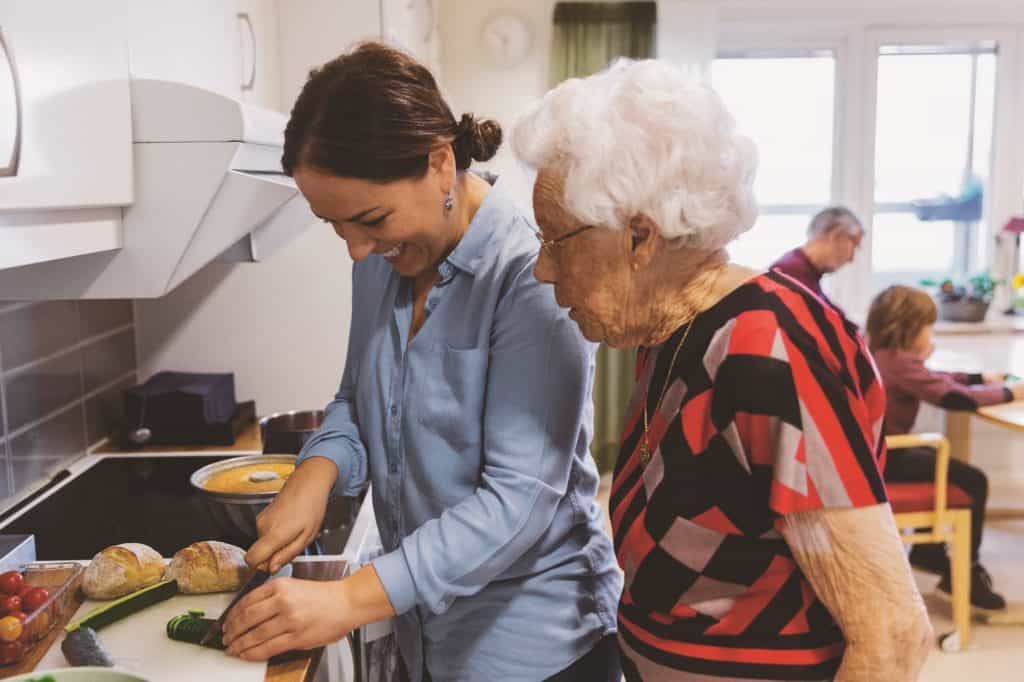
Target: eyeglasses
[(551, 244)]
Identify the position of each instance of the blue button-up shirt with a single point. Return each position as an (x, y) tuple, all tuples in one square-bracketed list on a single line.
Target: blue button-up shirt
[(475, 435)]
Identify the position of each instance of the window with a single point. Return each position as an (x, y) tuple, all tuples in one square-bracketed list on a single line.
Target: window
[(784, 100), (933, 151)]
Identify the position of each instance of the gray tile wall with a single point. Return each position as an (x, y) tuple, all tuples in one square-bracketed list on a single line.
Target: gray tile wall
[(63, 365)]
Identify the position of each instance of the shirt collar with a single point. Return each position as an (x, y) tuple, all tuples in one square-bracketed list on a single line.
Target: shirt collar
[(496, 211), (802, 255)]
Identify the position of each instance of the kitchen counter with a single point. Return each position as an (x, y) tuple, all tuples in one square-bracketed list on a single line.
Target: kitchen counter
[(174, 463), (248, 442), (297, 666), (147, 485)]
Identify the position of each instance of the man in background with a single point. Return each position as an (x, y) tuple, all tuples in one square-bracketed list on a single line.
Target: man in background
[(833, 237)]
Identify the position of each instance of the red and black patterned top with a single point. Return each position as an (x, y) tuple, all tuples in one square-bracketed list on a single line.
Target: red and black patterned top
[(774, 406)]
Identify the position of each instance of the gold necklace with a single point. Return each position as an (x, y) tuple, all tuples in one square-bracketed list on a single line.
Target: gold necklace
[(645, 452)]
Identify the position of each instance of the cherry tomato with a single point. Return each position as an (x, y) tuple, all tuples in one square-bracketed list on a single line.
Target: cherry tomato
[(20, 615), (10, 603), (11, 652), (11, 582), (25, 587), (34, 598), (10, 628)]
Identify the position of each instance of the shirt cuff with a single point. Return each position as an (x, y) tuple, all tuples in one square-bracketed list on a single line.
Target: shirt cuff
[(346, 459), (396, 578)]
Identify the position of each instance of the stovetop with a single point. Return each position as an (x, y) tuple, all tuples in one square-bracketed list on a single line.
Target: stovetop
[(123, 499)]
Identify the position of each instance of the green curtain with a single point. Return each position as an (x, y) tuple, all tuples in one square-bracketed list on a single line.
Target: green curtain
[(588, 36)]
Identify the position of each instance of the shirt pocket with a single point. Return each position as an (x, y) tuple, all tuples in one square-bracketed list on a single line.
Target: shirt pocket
[(452, 404)]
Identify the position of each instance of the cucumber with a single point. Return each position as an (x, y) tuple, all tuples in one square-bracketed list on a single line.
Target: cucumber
[(104, 615), (191, 628), (82, 647)]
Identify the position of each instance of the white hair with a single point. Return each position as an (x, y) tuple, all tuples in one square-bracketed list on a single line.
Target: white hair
[(642, 137), (834, 217)]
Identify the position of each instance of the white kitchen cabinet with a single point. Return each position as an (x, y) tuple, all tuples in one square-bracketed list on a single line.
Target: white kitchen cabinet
[(413, 25), (312, 32), (74, 133), (10, 111), (69, 124), (66, 129), (259, 53)]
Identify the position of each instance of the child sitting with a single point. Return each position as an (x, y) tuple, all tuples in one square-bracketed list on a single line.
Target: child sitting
[(899, 331)]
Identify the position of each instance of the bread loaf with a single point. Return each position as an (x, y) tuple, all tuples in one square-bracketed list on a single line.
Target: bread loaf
[(122, 569), (208, 566)]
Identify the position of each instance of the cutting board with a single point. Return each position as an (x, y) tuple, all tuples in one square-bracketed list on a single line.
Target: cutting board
[(139, 644)]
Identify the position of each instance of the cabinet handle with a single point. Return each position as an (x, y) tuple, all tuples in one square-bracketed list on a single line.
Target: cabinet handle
[(11, 167), (248, 84)]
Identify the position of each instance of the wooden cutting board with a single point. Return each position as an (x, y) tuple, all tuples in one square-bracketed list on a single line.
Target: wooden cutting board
[(139, 644)]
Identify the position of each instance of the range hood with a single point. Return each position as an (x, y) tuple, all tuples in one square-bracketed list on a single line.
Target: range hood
[(207, 184)]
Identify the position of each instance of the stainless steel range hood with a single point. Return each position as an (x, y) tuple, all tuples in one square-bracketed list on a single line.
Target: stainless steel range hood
[(207, 181)]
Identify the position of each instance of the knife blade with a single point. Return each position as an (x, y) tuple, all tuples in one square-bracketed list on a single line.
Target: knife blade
[(259, 577)]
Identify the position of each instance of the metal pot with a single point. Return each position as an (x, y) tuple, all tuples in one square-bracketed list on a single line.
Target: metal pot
[(287, 432), (235, 513)]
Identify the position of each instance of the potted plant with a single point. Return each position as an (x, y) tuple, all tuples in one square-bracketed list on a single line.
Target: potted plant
[(964, 301)]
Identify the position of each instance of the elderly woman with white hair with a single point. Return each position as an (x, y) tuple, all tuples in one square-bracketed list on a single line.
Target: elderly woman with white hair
[(748, 509)]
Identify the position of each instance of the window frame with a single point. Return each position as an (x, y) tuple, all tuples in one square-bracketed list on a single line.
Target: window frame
[(998, 202), (856, 36), (782, 40)]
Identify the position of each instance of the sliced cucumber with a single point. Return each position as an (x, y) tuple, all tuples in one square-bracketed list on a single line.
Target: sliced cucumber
[(192, 628), (104, 615)]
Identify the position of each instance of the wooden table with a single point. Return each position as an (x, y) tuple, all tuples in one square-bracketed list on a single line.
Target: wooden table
[(958, 431), (297, 666), (958, 424)]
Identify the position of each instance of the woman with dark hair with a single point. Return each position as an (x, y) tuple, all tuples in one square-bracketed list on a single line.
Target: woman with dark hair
[(465, 400)]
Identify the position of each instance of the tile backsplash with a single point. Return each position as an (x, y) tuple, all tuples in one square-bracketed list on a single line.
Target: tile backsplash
[(63, 365)]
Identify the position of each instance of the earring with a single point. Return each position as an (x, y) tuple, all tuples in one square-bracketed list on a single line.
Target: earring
[(449, 203)]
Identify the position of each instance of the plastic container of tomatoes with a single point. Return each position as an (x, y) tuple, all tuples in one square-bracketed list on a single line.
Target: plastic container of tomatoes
[(61, 582)]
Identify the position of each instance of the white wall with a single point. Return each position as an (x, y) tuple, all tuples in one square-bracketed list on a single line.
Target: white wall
[(473, 84), (312, 32), (685, 35), (281, 326)]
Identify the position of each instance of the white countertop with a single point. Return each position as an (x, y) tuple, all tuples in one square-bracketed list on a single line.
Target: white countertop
[(994, 323)]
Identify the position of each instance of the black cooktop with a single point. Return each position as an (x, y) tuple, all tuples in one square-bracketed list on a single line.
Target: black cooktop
[(123, 499)]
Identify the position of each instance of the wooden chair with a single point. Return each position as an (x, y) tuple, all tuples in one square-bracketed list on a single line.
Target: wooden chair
[(945, 511)]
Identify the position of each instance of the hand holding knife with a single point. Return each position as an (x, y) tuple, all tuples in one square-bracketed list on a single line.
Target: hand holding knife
[(259, 576)]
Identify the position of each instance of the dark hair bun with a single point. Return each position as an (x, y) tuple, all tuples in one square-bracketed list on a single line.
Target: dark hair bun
[(475, 140)]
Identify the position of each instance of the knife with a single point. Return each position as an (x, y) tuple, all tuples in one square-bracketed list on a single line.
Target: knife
[(259, 577)]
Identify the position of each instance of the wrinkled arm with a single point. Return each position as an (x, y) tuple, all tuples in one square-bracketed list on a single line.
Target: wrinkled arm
[(855, 563)]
